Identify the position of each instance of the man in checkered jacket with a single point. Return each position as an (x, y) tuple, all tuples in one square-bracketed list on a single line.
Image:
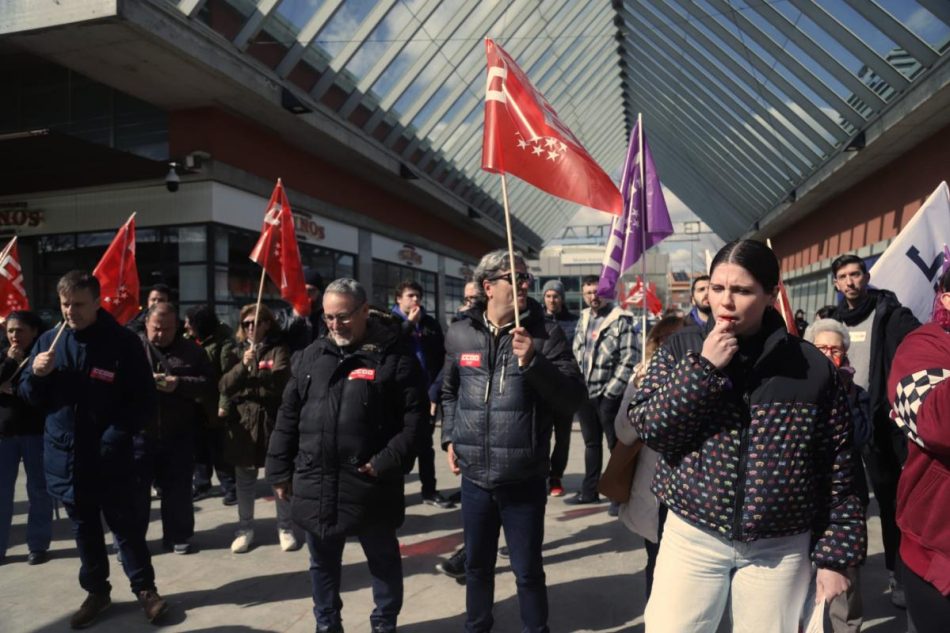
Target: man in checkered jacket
[(919, 391), (605, 349)]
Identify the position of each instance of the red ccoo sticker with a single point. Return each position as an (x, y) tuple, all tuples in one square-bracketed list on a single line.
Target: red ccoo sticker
[(102, 374), (470, 360), (363, 374)]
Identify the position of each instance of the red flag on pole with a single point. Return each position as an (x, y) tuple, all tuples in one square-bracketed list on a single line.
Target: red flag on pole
[(524, 137), (277, 253), (118, 276), (634, 298), (11, 281)]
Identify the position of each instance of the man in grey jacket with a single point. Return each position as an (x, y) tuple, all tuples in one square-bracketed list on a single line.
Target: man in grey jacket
[(501, 385)]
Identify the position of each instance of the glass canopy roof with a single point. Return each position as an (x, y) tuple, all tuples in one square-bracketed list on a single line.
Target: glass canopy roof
[(743, 100)]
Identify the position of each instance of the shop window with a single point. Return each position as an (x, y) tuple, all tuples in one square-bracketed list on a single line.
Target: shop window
[(387, 276)]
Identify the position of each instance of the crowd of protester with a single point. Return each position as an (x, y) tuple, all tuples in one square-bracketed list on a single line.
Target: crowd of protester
[(755, 446)]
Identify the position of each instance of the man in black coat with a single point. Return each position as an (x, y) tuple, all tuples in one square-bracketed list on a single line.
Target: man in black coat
[(502, 386), (877, 323), (424, 336), (344, 438), (187, 396)]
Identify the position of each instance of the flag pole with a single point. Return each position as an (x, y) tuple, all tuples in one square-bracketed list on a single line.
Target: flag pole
[(781, 297), (511, 251), (8, 248), (643, 236)]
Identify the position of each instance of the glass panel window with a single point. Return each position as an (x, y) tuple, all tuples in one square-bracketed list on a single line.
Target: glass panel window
[(387, 276)]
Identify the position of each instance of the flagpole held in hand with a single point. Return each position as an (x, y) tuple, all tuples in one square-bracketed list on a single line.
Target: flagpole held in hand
[(781, 297), (257, 308), (511, 251)]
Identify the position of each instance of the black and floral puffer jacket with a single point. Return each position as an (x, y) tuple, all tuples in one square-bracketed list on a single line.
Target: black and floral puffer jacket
[(761, 449)]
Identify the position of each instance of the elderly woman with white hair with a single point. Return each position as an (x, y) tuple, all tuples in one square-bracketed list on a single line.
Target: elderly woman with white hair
[(832, 339)]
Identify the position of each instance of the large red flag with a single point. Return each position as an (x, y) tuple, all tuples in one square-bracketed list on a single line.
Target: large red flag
[(634, 298), (524, 137), (118, 276), (11, 281), (276, 251)]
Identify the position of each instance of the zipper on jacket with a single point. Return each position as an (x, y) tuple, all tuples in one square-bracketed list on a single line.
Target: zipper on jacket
[(504, 366), (740, 473)]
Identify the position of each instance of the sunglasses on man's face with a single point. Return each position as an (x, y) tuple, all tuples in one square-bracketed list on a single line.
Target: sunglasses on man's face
[(249, 324), (523, 278)]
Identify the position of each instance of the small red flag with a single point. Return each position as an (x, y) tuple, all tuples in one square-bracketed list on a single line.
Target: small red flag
[(785, 309), (524, 137), (634, 298), (118, 276), (11, 281), (277, 253)]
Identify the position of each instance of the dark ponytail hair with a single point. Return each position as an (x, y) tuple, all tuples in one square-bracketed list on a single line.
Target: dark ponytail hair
[(755, 257)]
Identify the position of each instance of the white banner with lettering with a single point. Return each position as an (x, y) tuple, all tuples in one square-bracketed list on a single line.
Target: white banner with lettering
[(912, 263)]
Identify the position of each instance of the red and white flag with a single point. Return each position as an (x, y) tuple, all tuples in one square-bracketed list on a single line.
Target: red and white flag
[(524, 137), (634, 298), (118, 275), (11, 281), (277, 252)]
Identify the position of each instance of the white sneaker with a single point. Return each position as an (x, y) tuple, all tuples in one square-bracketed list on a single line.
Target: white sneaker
[(242, 542), (288, 542)]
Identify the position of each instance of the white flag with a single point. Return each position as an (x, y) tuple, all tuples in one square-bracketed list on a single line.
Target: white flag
[(912, 263)]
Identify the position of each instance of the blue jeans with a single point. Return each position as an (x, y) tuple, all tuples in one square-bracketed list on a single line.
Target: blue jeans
[(519, 509), (122, 512), (39, 523), (385, 566)]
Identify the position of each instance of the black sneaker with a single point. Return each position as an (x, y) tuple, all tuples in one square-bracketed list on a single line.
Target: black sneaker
[(230, 498), (437, 500), (504, 552), (201, 492), (614, 509), (454, 566), (333, 628), (579, 499), (37, 558), (92, 606)]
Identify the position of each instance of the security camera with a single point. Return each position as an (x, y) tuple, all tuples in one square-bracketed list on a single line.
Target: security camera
[(172, 181)]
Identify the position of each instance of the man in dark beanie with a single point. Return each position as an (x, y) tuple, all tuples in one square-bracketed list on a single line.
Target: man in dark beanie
[(301, 331), (555, 309)]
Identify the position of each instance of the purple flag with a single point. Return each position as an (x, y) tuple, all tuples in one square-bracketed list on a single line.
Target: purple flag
[(636, 229)]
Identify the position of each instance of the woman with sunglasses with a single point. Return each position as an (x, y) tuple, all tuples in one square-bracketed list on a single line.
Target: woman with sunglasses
[(253, 387), (753, 429)]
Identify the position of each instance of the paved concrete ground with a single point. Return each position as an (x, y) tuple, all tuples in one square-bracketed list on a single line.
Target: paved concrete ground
[(594, 569)]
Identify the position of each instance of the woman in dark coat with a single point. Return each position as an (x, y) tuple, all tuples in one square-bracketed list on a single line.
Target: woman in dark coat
[(21, 437), (253, 387), (753, 428)]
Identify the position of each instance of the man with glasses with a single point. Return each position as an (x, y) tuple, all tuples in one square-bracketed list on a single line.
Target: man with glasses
[(877, 323), (344, 436), (502, 387), (605, 349), (421, 330)]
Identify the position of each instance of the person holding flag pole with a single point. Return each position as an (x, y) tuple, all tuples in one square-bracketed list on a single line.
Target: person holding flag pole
[(503, 341)]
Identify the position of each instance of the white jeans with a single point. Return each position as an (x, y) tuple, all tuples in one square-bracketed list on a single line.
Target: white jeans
[(697, 572)]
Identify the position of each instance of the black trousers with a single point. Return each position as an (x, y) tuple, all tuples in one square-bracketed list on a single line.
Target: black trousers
[(928, 608), (426, 456), (209, 455), (562, 444), (596, 422), (884, 457)]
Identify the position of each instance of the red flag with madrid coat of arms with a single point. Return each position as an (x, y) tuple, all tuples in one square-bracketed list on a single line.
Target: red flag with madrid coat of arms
[(277, 252), (11, 281), (524, 137), (118, 275)]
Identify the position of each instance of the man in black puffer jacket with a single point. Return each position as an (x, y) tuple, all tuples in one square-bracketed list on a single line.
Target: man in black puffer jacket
[(501, 386), (344, 436)]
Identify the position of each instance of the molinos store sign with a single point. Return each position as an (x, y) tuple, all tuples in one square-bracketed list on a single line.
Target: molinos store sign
[(308, 228), (19, 215), (458, 269), (404, 254)]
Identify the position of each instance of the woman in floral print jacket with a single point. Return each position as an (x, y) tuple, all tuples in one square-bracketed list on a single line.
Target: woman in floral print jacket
[(754, 432)]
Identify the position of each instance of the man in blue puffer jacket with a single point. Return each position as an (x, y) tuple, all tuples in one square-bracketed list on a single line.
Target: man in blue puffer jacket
[(502, 386), (96, 391)]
